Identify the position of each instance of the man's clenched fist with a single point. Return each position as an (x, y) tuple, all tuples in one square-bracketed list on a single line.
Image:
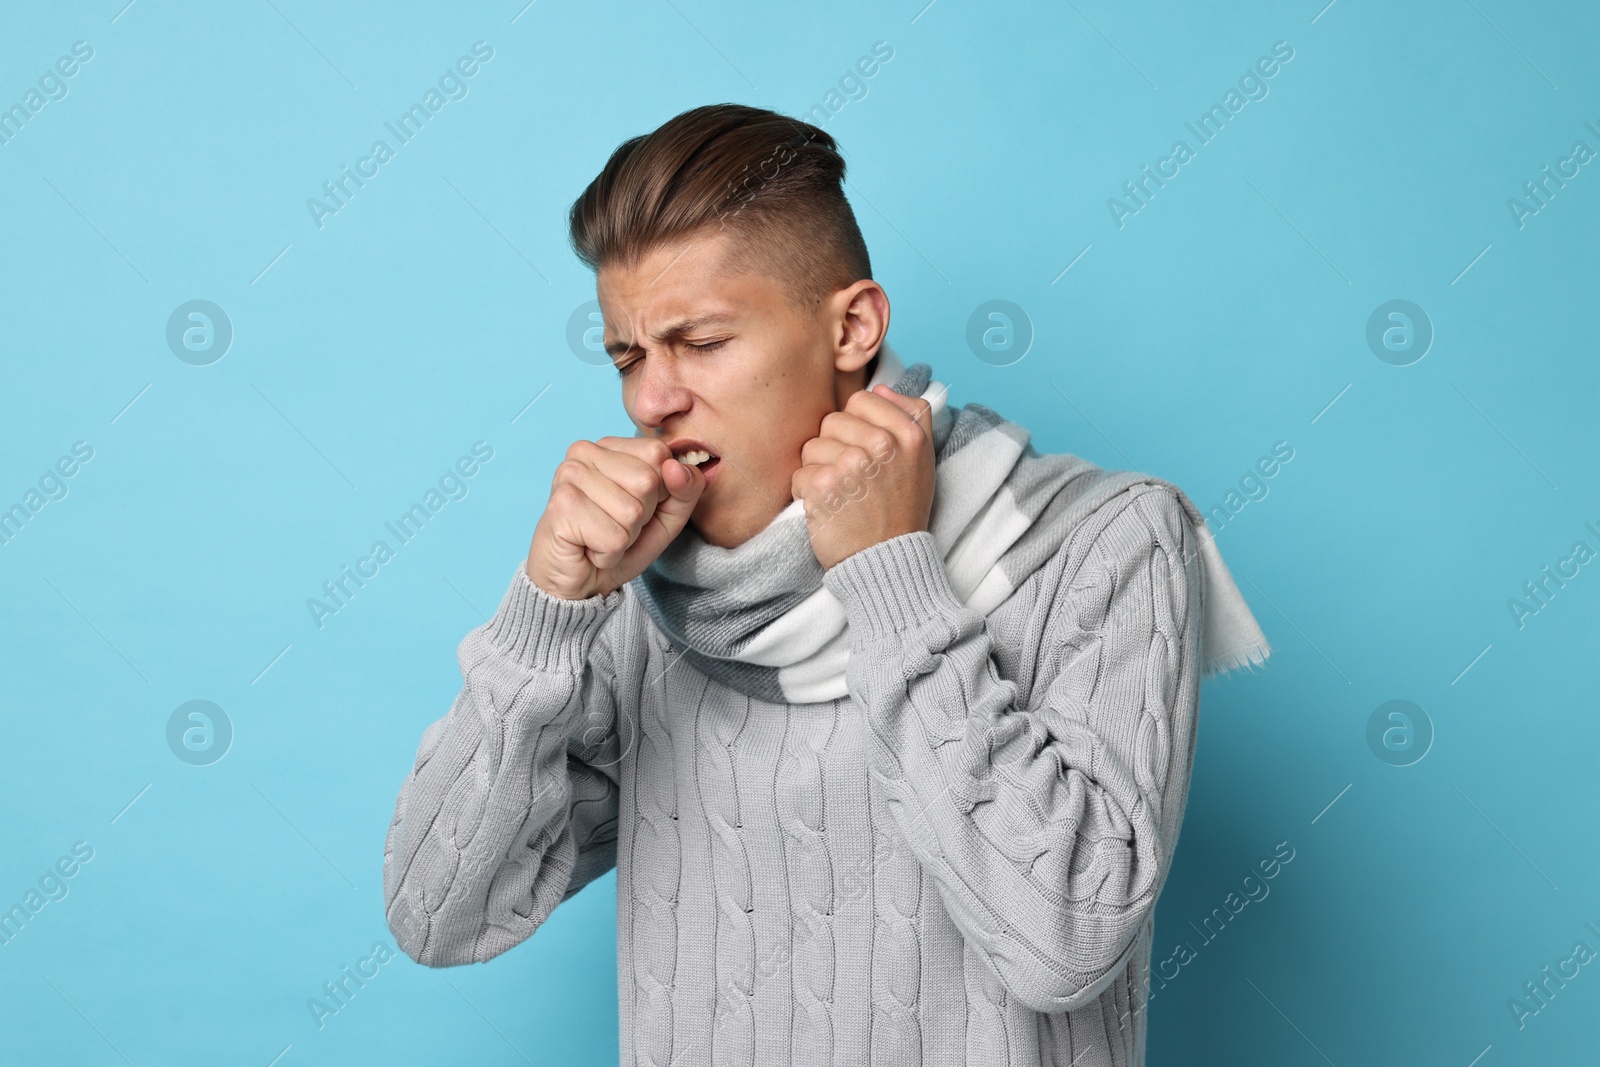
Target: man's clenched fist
[(868, 475), (615, 504)]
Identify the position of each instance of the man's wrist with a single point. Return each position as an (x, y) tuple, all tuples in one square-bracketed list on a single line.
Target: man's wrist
[(542, 582)]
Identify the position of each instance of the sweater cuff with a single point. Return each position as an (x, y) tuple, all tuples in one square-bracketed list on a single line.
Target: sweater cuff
[(544, 632), (893, 585)]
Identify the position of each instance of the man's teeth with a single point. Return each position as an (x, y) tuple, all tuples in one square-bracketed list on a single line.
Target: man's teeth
[(694, 457)]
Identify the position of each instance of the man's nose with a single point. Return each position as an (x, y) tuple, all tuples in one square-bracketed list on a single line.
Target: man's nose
[(658, 394)]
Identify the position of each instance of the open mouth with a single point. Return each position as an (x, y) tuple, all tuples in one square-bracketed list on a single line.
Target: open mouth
[(699, 457)]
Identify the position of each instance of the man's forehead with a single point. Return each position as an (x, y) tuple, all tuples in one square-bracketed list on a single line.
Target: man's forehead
[(671, 306), (680, 288), (671, 277), (676, 317)]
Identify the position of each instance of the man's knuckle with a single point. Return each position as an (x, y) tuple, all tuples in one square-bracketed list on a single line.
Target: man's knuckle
[(642, 483)]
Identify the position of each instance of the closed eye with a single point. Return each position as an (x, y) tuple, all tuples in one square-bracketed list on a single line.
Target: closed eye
[(708, 346)]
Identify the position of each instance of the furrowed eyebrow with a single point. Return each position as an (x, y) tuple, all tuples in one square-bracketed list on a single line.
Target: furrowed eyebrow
[(670, 333)]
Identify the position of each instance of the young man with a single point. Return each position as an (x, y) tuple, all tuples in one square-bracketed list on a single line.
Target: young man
[(884, 719)]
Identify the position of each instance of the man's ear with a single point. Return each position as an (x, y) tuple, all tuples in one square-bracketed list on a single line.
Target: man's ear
[(861, 323)]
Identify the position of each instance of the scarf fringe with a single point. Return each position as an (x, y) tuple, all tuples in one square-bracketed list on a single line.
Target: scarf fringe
[(1250, 657)]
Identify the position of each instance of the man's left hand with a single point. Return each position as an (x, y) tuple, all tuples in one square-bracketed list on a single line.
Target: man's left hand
[(868, 475)]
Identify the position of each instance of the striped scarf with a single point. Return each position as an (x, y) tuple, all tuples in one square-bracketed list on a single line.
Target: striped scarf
[(758, 618)]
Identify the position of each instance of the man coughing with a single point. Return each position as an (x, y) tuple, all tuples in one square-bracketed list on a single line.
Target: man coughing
[(884, 719)]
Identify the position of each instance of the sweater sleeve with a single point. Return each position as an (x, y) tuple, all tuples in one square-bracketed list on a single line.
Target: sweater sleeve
[(511, 805), (1048, 830)]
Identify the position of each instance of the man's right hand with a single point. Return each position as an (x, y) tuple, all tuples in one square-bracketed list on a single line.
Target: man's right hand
[(615, 504)]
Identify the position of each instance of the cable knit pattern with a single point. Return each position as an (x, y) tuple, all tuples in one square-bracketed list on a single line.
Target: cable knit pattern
[(957, 863)]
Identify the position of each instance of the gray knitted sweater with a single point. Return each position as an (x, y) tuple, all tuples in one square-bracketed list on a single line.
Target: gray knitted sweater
[(957, 863)]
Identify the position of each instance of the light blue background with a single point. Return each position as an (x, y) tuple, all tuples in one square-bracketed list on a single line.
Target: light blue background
[(1228, 314)]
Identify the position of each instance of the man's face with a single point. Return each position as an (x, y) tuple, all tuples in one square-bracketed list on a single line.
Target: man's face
[(720, 357)]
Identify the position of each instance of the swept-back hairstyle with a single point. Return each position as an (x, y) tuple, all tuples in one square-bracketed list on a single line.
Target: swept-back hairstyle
[(775, 182)]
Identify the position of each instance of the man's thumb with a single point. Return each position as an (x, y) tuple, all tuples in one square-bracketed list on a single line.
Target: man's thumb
[(674, 511)]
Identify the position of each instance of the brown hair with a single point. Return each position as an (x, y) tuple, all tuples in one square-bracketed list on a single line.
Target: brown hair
[(774, 181)]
